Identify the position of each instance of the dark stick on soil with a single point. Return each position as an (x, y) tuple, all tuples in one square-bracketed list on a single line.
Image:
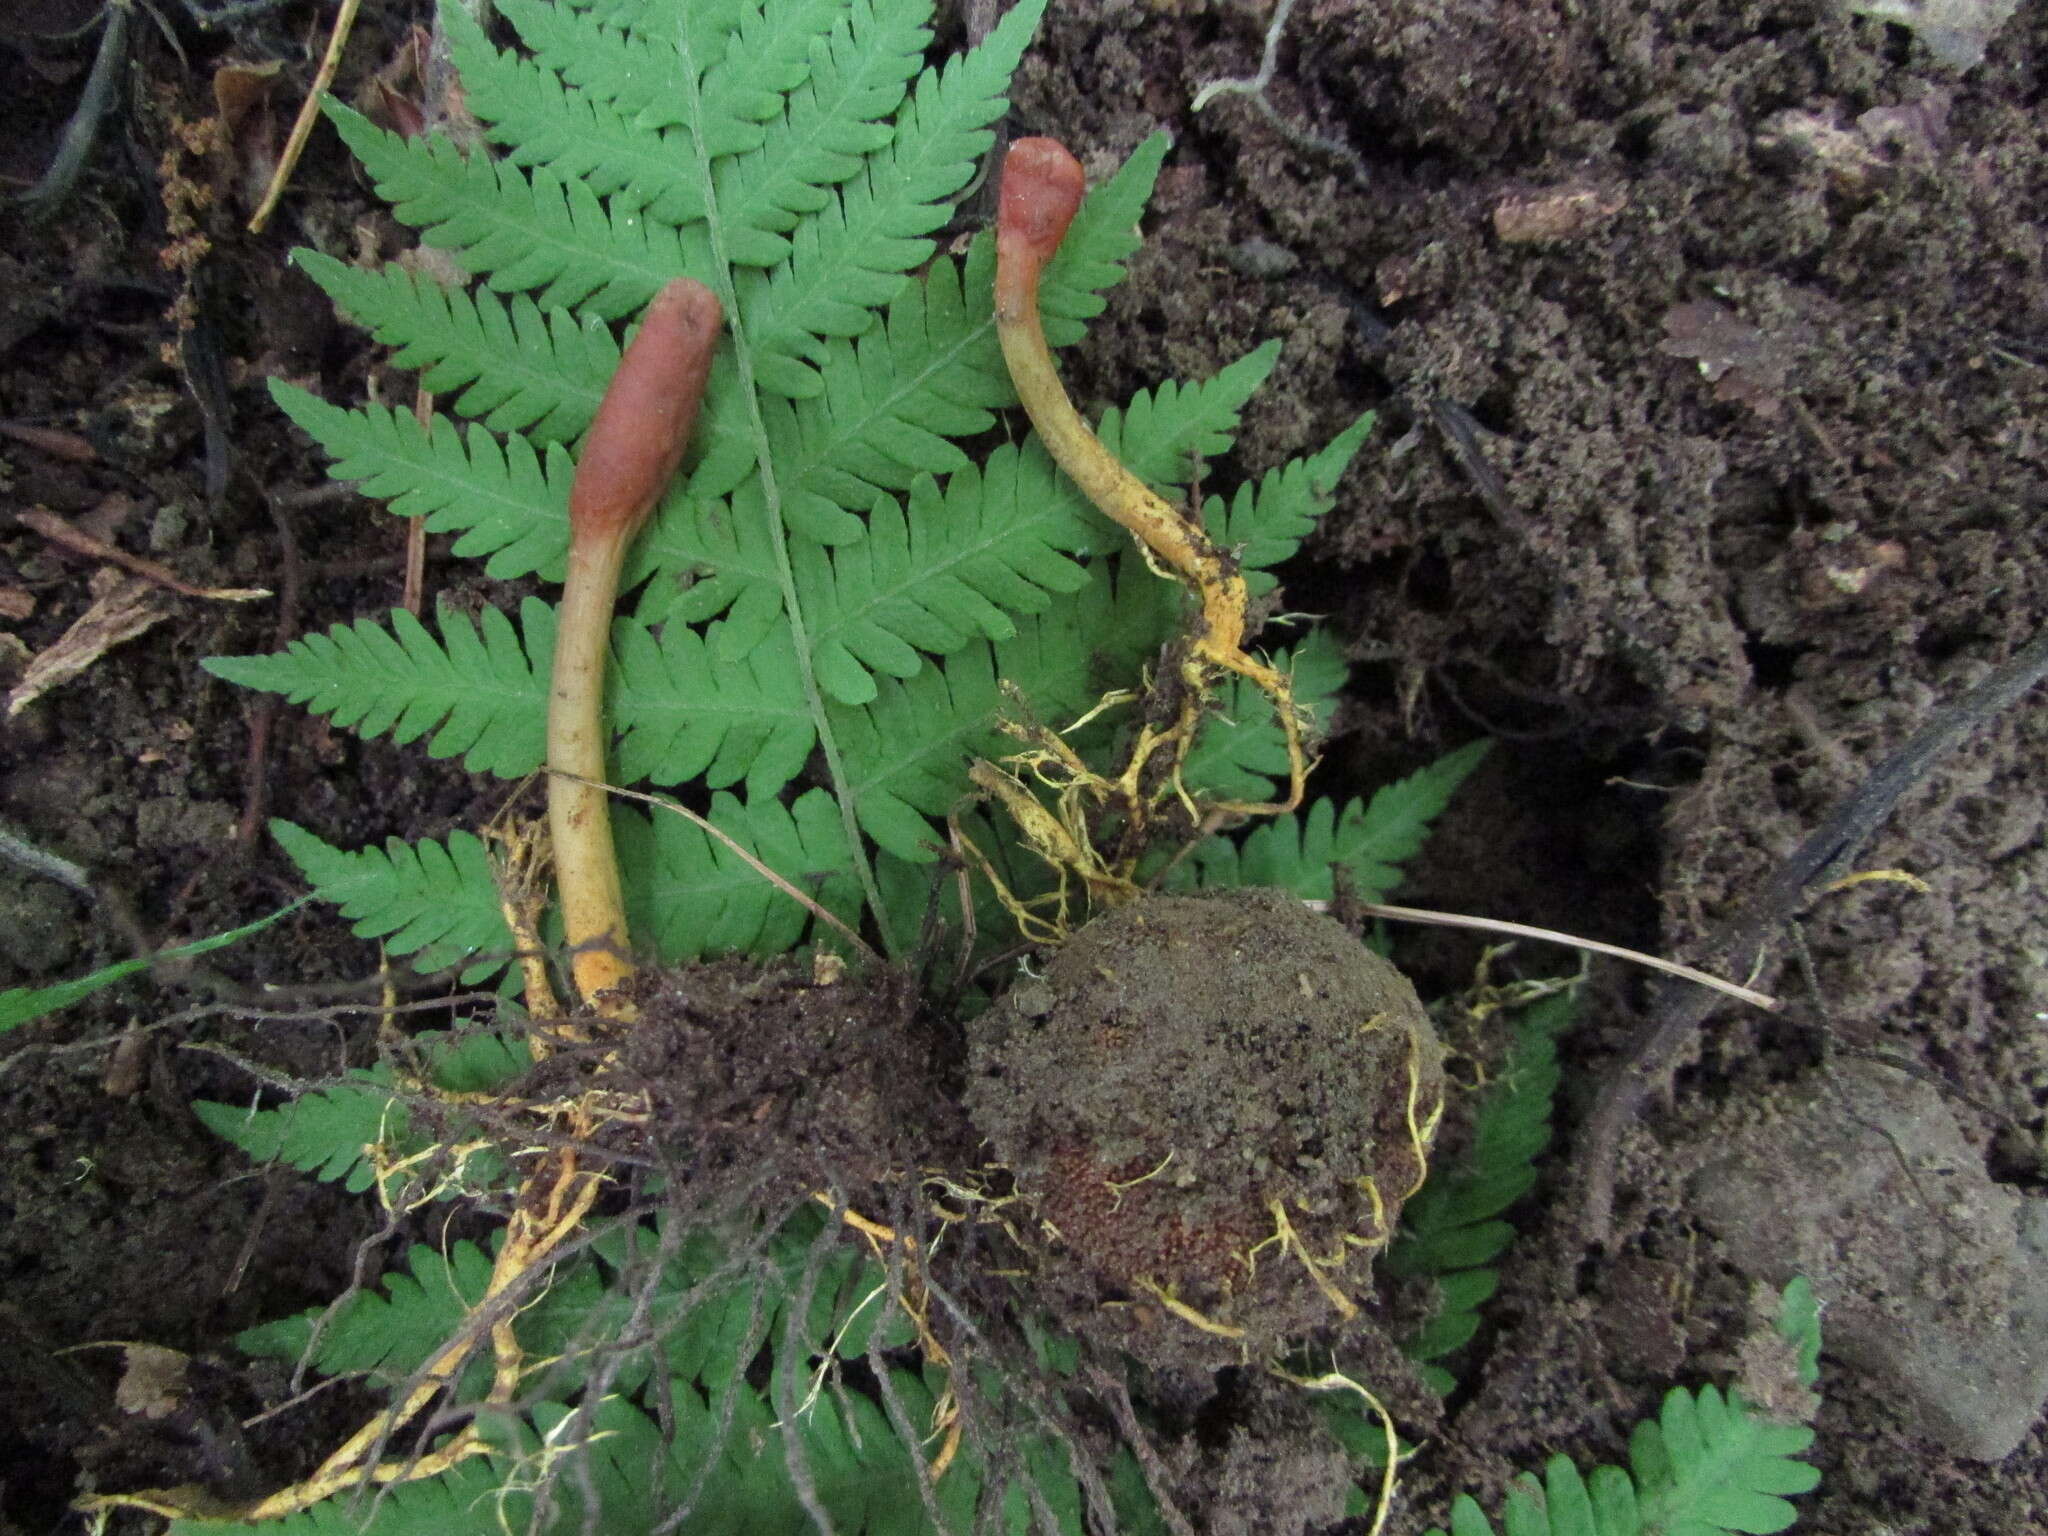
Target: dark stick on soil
[(1824, 855), (263, 713)]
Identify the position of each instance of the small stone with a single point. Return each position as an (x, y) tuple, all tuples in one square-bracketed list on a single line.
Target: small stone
[(1933, 1284), (1261, 259), (1956, 32)]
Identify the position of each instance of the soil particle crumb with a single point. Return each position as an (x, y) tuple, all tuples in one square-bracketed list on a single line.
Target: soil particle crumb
[(1214, 1105), (1279, 1471)]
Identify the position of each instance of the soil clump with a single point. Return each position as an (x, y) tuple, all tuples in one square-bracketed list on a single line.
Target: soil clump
[(1214, 1106)]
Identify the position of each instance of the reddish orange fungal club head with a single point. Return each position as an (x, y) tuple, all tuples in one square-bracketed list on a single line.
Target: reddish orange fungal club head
[(1041, 190), (642, 426)]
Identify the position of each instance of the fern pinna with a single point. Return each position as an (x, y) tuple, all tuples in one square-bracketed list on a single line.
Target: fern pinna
[(1709, 1464), (833, 600)]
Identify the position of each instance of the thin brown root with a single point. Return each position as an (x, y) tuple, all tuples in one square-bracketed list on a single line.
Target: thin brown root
[(309, 113)]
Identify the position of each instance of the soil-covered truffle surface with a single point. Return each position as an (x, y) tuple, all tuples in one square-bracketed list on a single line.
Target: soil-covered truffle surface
[(1218, 1102)]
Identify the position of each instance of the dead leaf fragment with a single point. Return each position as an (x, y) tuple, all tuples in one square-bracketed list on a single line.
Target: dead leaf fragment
[(1794, 140), (153, 1381), (72, 537), (129, 608), (1554, 215), (244, 101), (240, 88), (391, 98), (1741, 361)]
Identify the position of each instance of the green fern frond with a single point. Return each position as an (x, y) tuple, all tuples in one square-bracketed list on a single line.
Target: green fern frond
[(1104, 234), (697, 706), (588, 131), (434, 901), (860, 71), (691, 895), (1450, 1230), (522, 231), (481, 689), (510, 504), (906, 752), (792, 153), (1798, 1324), (1266, 523), (1166, 434), (508, 363), (711, 558), (1708, 1464), (549, 230), (387, 1331), (1716, 1461), (329, 1132), (623, 52), (954, 568), (697, 1316), (994, 543), (850, 257), (326, 1133), (1370, 839)]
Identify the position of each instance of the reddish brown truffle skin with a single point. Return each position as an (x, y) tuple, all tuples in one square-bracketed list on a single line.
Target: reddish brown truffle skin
[(1042, 188), (642, 426)]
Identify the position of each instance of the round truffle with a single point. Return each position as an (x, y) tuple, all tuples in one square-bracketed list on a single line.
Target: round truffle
[(1214, 1106)]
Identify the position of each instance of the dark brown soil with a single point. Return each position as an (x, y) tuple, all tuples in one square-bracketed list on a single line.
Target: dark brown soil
[(1711, 346)]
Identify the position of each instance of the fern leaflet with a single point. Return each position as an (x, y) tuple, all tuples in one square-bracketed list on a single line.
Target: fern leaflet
[(480, 692), (1267, 522), (1451, 1230), (510, 503), (517, 368), (690, 894), (434, 901), (331, 1132), (1372, 840), (1708, 1464)]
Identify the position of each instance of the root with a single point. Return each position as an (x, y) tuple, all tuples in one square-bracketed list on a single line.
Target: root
[(1186, 1313), (1318, 1269)]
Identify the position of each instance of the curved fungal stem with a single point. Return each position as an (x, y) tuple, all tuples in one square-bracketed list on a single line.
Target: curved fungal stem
[(1042, 188), (636, 440)]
